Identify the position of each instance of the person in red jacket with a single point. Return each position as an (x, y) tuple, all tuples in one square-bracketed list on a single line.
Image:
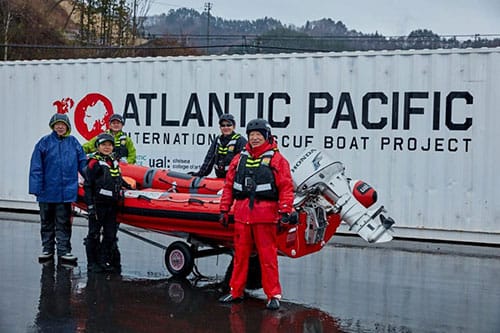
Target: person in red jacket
[(259, 183)]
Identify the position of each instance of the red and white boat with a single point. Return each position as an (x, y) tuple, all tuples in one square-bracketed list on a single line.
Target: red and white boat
[(187, 207)]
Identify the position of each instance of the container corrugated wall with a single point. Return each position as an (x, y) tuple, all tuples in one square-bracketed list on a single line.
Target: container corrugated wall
[(420, 126)]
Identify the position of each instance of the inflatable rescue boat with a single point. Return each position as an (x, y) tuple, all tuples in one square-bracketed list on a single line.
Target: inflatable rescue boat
[(187, 207)]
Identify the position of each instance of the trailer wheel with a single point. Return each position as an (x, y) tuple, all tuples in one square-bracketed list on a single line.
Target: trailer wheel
[(179, 259)]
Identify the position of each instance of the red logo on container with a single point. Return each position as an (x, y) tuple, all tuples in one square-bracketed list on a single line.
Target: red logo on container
[(92, 113), (64, 105)]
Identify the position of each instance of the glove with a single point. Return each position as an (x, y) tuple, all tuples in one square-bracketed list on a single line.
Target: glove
[(224, 219), (127, 185), (285, 218), (293, 218), (289, 219), (192, 173), (91, 212)]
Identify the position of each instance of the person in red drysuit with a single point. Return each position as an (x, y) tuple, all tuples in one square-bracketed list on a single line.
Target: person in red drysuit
[(259, 183)]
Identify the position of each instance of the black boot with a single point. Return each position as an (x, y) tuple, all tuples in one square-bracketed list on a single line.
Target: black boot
[(105, 259), (92, 251), (115, 257)]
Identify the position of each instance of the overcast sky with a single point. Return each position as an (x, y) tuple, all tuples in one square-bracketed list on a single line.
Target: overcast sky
[(388, 17)]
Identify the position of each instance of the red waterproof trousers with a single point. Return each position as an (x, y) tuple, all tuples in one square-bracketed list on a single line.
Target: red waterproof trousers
[(263, 236)]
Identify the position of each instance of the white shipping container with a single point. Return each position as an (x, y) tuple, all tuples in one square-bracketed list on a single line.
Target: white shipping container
[(419, 126)]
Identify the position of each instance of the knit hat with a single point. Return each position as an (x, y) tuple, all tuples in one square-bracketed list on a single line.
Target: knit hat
[(60, 117)]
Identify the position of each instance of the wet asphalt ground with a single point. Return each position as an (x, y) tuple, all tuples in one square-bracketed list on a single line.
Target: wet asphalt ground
[(350, 286)]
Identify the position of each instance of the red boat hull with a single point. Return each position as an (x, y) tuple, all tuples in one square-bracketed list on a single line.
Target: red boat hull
[(188, 215)]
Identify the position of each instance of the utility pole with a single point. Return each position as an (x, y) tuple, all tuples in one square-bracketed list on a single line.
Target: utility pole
[(134, 24), (208, 7)]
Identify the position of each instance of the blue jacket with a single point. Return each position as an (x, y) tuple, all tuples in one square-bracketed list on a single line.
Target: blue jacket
[(54, 167)]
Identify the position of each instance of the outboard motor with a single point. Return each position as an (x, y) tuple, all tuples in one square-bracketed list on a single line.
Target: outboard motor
[(321, 188)]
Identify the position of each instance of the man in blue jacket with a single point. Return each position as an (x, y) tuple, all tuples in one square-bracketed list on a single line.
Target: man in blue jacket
[(53, 179)]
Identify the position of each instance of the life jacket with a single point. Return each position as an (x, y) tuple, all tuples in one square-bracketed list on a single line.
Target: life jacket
[(224, 155), (108, 180), (120, 149), (254, 178)]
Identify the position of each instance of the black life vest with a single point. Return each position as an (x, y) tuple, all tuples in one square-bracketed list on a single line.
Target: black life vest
[(254, 178), (108, 180), (224, 155)]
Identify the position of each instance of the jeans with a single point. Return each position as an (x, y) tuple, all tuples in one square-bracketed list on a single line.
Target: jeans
[(55, 229)]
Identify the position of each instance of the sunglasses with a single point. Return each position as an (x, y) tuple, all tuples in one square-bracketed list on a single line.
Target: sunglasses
[(226, 125)]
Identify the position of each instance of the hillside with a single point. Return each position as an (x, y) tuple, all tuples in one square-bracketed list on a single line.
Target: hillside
[(268, 35), (225, 33), (45, 29)]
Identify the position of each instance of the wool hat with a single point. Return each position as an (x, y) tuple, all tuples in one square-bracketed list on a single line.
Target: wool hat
[(60, 117)]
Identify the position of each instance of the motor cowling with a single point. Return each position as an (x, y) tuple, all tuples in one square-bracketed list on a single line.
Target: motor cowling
[(319, 181)]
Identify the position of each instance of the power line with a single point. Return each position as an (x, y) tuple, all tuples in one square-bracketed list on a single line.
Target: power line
[(114, 48), (242, 45), (325, 37)]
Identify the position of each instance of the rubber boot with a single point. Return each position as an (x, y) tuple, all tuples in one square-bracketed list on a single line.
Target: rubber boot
[(92, 251), (115, 257), (105, 259)]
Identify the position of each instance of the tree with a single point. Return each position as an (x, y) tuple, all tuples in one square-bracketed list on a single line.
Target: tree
[(109, 22), (424, 39), (26, 23), (6, 15)]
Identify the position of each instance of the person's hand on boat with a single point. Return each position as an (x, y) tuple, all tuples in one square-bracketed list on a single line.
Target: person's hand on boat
[(192, 173), (224, 219), (127, 186), (285, 218), (289, 219)]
